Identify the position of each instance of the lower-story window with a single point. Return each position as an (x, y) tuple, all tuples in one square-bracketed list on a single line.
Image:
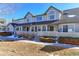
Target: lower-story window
[(24, 28), (68, 28), (28, 29), (39, 28), (35, 28), (51, 28), (32, 28), (17, 28)]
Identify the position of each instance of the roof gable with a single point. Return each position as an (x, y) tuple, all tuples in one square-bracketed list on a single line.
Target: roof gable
[(39, 14), (28, 14), (53, 8)]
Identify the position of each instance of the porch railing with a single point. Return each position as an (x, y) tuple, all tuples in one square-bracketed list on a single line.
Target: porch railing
[(52, 33)]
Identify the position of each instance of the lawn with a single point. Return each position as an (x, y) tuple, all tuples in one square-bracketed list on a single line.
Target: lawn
[(32, 49)]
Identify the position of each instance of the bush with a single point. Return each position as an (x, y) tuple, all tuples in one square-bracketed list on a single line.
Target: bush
[(69, 40), (45, 39), (27, 36), (5, 33)]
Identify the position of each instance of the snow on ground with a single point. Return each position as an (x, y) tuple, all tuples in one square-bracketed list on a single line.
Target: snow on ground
[(38, 42), (53, 44), (9, 38)]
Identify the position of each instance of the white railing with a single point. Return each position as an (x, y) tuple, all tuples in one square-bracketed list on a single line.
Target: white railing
[(52, 33)]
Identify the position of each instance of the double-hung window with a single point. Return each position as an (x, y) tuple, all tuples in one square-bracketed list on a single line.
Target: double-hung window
[(39, 18), (51, 15)]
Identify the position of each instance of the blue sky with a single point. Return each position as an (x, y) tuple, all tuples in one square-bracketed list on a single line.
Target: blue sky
[(9, 11)]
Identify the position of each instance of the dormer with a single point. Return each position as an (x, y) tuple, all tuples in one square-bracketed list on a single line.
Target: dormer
[(28, 17), (53, 13)]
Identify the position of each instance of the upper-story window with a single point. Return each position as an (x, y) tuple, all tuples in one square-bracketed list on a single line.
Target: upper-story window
[(51, 16), (27, 20), (39, 18)]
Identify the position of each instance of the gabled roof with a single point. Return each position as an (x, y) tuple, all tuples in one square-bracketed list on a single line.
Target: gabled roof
[(27, 14), (72, 9), (13, 24), (40, 14), (50, 8), (17, 19)]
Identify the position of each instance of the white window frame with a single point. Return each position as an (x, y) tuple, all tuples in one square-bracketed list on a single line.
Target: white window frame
[(39, 20), (68, 25), (48, 17)]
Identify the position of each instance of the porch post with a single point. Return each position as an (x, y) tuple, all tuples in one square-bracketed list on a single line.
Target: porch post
[(46, 27), (21, 28), (55, 28), (14, 30), (30, 28), (41, 28)]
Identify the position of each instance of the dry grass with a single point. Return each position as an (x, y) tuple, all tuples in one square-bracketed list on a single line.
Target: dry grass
[(31, 49), (67, 52), (21, 49)]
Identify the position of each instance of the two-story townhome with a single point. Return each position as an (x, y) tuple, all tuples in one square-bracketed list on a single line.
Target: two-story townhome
[(52, 22), (69, 23)]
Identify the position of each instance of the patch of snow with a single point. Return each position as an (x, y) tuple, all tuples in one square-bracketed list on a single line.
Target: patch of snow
[(53, 44), (75, 48), (10, 37)]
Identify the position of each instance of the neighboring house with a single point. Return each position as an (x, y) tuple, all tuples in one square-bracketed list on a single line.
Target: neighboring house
[(2, 24), (51, 23)]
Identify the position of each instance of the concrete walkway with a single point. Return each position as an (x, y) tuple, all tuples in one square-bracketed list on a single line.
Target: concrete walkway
[(53, 44)]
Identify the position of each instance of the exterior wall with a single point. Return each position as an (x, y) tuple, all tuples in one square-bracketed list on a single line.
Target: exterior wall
[(74, 11), (77, 28), (29, 18), (56, 13), (75, 25), (69, 24)]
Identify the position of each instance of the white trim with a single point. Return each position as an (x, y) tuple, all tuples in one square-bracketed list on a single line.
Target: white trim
[(21, 28), (46, 27), (68, 25)]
